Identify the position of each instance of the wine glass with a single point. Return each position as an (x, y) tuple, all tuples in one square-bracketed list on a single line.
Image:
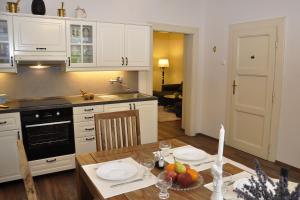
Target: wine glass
[(165, 147), (164, 182), (149, 164)]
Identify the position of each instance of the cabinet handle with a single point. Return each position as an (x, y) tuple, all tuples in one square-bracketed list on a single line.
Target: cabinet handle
[(89, 117), (11, 61), (19, 135), (134, 106), (122, 61), (41, 49), (90, 139), (89, 129), (69, 61), (51, 161), (126, 61), (130, 106), (88, 110), (4, 122)]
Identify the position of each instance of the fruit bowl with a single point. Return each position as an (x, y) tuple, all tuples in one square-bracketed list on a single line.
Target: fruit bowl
[(183, 177), (196, 184)]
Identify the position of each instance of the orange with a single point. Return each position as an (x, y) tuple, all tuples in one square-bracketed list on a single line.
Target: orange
[(170, 167), (194, 174)]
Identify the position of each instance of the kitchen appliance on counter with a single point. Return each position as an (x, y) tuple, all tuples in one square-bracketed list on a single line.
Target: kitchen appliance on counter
[(48, 133)]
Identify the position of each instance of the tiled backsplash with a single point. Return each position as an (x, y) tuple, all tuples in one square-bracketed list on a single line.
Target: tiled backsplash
[(54, 81)]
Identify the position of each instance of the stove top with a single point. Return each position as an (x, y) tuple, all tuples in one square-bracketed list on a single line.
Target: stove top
[(43, 102)]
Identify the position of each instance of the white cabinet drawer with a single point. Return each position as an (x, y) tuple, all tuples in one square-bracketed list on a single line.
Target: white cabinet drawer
[(84, 128), (85, 144), (50, 165), (84, 118), (10, 121), (88, 109)]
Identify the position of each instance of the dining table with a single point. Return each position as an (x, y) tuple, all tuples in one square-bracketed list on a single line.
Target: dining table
[(87, 190)]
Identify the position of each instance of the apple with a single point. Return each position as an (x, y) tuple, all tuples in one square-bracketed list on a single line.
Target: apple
[(184, 180), (172, 175), (180, 168)]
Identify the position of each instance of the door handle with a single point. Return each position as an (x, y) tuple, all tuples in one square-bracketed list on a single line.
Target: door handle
[(126, 61), (69, 61), (122, 61), (41, 49), (90, 139), (11, 61), (234, 85)]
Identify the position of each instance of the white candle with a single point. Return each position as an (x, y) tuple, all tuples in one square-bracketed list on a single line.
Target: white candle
[(221, 144)]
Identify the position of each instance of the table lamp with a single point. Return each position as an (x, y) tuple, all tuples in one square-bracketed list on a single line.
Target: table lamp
[(163, 63)]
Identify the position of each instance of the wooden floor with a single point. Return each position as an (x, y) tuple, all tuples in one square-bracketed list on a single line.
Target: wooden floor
[(62, 186)]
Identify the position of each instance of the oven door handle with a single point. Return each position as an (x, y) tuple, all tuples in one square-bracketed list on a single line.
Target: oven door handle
[(48, 124)]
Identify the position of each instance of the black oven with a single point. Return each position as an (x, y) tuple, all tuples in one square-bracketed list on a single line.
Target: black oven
[(48, 133)]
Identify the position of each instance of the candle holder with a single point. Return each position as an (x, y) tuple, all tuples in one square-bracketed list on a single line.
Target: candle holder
[(217, 172)]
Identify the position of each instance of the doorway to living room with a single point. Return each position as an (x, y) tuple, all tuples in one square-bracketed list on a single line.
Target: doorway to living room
[(168, 66)]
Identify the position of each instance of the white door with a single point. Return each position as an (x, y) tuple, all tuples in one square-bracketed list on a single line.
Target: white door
[(137, 46), (9, 165), (148, 120), (81, 44), (253, 62), (7, 63), (110, 44), (38, 35)]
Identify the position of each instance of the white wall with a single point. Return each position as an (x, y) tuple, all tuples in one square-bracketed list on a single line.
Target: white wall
[(178, 12), (219, 15)]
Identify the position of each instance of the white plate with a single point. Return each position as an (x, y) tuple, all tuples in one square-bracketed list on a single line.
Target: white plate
[(117, 171), (189, 154), (239, 184)]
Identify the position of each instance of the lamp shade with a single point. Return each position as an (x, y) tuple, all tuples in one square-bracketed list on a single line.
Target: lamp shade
[(163, 62)]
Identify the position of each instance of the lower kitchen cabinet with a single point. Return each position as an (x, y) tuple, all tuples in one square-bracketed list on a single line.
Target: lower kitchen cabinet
[(9, 157), (148, 117), (50, 165)]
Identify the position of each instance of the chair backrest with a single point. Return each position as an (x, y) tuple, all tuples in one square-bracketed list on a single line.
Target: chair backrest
[(117, 130), (26, 173)]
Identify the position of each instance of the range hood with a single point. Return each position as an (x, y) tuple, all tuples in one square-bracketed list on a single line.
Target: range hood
[(40, 58)]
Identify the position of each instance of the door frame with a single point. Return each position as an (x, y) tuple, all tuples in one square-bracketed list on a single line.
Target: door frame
[(190, 87), (277, 89)]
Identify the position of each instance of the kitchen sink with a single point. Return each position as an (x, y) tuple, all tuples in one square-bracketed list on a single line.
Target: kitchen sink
[(114, 97)]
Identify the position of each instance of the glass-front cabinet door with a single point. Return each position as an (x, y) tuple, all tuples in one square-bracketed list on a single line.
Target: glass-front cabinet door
[(81, 40), (7, 63)]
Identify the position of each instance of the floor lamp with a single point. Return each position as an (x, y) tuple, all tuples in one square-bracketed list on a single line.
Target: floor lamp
[(163, 63)]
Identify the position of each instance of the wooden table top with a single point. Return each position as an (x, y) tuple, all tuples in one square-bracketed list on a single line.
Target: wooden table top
[(148, 193)]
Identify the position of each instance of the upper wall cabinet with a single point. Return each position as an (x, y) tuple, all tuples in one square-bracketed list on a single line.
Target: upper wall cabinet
[(81, 44), (6, 45), (39, 34), (137, 45), (123, 45)]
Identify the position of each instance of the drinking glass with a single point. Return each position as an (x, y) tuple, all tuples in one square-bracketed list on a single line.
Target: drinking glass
[(165, 147), (149, 164), (164, 182)]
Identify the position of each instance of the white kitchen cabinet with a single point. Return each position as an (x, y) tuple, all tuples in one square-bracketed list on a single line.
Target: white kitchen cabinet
[(39, 34), (148, 120), (81, 44), (111, 45), (147, 114), (84, 128), (137, 45), (7, 63), (10, 128), (121, 45)]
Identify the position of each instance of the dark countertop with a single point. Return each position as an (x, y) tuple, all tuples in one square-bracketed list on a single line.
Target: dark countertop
[(72, 101)]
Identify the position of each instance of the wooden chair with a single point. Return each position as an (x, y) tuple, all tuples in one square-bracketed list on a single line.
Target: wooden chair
[(26, 173), (117, 130)]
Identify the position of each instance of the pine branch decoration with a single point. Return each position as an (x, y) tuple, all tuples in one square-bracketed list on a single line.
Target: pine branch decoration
[(258, 187)]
